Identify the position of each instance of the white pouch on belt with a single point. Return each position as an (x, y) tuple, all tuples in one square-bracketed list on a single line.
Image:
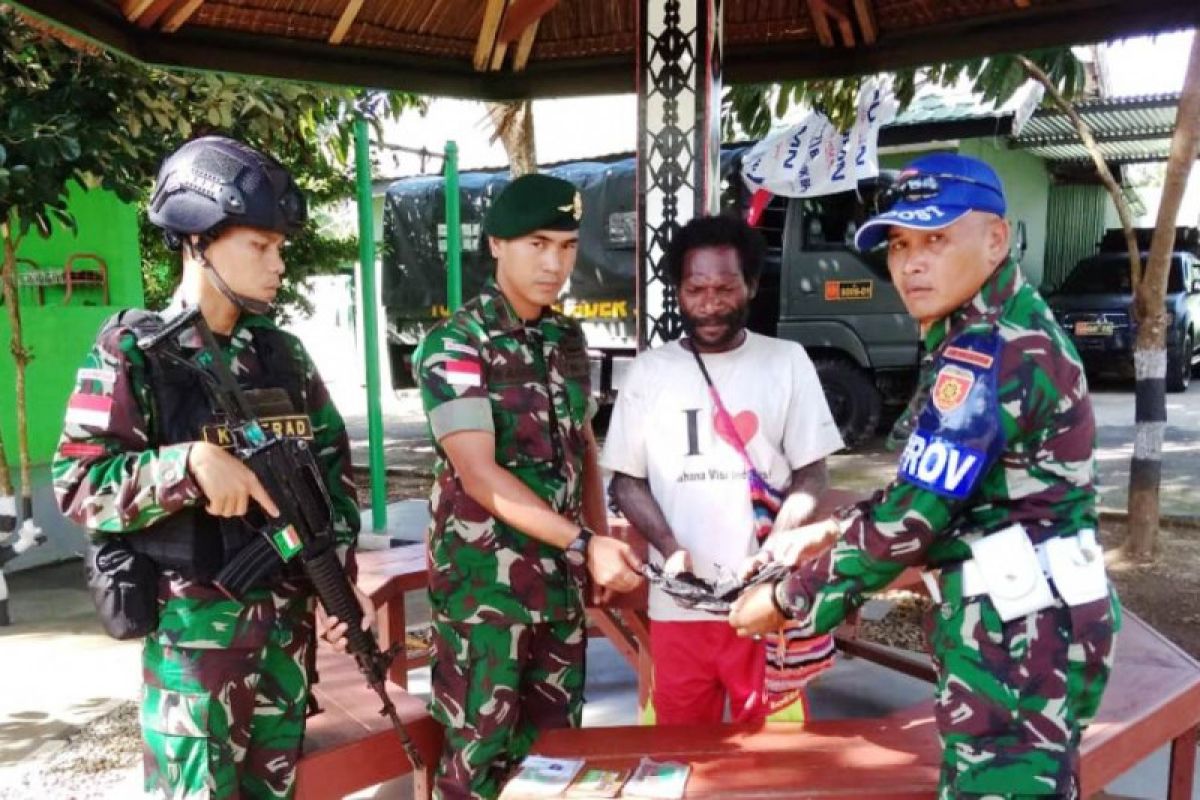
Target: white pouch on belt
[(1012, 573), (1076, 564)]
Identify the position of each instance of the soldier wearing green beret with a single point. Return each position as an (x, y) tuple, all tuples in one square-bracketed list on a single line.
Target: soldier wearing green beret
[(518, 513)]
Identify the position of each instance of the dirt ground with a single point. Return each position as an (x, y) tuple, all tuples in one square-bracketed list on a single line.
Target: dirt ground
[(1165, 593)]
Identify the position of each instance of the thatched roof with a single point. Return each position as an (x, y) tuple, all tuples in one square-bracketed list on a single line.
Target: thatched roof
[(512, 48)]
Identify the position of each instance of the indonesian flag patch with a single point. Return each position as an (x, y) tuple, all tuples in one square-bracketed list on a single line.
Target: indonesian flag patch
[(89, 410), (951, 388), (287, 542), (461, 372)]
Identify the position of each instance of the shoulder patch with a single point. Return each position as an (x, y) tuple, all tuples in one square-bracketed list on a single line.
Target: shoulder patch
[(951, 388), (459, 347), (967, 356), (941, 466)]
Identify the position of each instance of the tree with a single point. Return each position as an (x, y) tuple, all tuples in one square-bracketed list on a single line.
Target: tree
[(1150, 354), (72, 113), (512, 124), (753, 108)]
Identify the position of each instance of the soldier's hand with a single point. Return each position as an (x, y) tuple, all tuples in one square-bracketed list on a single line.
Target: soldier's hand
[(613, 564), (333, 630), (677, 562), (228, 484), (754, 613), (792, 547), (797, 510)]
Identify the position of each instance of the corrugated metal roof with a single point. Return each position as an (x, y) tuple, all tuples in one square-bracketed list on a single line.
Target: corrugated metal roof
[(1128, 129)]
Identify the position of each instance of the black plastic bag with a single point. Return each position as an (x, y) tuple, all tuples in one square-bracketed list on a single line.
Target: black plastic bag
[(124, 587)]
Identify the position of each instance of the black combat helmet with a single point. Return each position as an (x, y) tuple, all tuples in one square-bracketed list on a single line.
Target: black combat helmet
[(214, 181)]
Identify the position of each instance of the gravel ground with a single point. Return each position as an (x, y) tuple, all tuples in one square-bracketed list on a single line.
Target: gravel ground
[(103, 760)]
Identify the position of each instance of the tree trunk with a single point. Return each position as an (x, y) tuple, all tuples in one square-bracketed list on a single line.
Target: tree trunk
[(1150, 353), (1106, 176), (512, 124), (8, 276)]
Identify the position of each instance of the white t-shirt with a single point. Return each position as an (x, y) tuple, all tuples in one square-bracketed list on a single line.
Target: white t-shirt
[(662, 430)]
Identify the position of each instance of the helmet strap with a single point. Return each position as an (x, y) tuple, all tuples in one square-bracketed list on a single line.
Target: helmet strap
[(246, 305)]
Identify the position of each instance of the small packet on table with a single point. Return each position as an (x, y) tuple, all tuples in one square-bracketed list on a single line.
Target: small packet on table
[(598, 782), (539, 776), (657, 780)]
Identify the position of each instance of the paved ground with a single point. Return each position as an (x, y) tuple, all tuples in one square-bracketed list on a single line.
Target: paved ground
[(407, 446)]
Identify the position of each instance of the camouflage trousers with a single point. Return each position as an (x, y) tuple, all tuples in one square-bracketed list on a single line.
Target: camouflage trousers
[(1013, 698), (495, 687), (225, 722)]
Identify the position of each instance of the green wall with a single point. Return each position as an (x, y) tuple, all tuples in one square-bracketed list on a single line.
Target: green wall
[(59, 336), (1026, 186)]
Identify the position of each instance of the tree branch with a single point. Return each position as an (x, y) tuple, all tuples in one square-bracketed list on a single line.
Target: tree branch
[(1106, 176)]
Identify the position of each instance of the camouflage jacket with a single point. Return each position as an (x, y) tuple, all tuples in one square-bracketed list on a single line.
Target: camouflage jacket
[(485, 369), (114, 476), (1002, 432)]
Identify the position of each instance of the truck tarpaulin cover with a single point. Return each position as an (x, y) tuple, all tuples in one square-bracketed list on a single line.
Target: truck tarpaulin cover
[(414, 265)]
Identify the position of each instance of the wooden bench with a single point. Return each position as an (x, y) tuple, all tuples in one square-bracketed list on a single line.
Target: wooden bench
[(1153, 699), (350, 746)]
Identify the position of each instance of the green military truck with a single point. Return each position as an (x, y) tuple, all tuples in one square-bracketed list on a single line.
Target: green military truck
[(816, 289)]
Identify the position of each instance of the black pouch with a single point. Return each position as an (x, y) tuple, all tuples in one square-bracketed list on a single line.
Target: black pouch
[(124, 587)]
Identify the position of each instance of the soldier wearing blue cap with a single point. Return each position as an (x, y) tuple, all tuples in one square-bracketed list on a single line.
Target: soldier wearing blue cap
[(994, 498), (518, 512)]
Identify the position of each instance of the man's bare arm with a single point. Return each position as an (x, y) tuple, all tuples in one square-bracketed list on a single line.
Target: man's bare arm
[(633, 498), (803, 496)]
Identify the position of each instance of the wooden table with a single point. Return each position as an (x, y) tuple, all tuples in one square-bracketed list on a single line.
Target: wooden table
[(1153, 699), (386, 576)]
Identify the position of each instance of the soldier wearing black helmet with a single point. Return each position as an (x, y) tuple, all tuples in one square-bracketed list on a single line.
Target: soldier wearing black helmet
[(143, 466)]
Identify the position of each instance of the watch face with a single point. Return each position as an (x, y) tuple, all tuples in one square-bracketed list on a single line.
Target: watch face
[(575, 555)]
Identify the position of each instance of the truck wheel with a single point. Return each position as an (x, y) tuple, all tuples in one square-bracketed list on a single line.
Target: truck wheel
[(852, 398), (1179, 367)]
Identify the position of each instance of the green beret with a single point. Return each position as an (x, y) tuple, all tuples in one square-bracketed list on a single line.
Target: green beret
[(531, 203)]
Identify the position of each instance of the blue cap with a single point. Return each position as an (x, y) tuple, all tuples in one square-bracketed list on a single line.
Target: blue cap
[(964, 184)]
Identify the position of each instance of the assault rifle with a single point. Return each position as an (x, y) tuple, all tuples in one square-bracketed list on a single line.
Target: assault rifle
[(291, 476)]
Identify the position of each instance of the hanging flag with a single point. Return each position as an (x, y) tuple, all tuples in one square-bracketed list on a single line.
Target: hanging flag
[(813, 158)]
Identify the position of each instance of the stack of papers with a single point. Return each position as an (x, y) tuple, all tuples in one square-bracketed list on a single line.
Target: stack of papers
[(541, 777)]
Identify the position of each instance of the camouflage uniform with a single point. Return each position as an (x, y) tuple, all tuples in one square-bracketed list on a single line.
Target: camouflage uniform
[(1007, 389), (508, 615), (225, 681)]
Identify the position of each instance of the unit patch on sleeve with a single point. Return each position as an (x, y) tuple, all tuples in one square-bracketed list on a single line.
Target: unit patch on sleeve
[(972, 357), (951, 388), (941, 465)]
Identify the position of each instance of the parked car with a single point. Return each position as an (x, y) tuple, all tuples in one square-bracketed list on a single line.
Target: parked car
[(1094, 305)]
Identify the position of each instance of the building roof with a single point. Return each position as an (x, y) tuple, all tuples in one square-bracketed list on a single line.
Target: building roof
[(1127, 129), (491, 49)]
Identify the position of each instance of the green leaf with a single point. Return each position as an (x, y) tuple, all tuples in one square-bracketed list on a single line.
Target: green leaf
[(69, 148)]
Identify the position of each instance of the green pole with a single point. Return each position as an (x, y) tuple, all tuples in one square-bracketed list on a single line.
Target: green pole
[(453, 230), (366, 264)]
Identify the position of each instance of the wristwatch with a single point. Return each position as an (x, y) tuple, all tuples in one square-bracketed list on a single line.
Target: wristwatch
[(576, 551)]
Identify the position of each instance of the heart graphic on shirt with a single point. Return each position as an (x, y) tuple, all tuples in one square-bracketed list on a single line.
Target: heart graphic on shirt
[(746, 423)]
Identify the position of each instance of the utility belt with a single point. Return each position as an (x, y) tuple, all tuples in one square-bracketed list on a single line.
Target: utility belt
[(1021, 578)]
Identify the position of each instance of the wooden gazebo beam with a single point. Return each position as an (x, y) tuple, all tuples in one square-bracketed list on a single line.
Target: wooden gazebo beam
[(180, 15), (349, 14)]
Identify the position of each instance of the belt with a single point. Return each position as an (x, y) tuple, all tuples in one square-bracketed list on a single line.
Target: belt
[(972, 577)]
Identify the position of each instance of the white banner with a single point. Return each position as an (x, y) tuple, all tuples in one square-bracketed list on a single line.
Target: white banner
[(814, 158)]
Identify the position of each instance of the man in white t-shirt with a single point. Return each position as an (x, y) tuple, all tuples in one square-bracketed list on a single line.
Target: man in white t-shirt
[(680, 476)]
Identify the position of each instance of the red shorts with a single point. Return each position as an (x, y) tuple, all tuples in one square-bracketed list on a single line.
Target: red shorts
[(697, 665)]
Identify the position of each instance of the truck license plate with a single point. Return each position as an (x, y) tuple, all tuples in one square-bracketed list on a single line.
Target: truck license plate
[(1093, 329)]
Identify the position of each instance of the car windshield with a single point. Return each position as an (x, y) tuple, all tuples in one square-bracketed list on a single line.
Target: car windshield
[(1110, 275)]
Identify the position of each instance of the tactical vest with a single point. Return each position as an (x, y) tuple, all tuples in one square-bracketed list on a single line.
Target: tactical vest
[(191, 541)]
